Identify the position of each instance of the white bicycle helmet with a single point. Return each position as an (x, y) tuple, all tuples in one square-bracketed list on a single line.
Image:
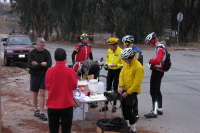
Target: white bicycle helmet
[(150, 37), (127, 53), (128, 39)]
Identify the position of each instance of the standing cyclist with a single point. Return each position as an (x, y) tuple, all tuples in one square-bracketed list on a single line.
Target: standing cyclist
[(83, 50), (130, 81), (156, 63), (128, 43), (114, 64)]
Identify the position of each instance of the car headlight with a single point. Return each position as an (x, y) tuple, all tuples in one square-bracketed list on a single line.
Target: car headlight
[(9, 51)]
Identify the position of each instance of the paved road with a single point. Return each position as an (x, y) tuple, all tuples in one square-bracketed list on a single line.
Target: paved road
[(180, 88)]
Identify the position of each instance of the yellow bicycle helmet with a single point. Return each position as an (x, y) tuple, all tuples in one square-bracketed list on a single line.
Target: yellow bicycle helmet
[(112, 40), (84, 35)]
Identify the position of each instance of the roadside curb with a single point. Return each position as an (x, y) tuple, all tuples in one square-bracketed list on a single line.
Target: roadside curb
[(176, 49)]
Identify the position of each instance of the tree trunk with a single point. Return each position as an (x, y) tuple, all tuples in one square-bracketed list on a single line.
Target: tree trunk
[(57, 32), (46, 34)]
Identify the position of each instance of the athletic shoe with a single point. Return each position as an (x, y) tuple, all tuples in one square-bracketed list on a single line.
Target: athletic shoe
[(36, 113), (103, 109), (114, 109), (93, 105), (151, 115), (159, 112), (43, 117)]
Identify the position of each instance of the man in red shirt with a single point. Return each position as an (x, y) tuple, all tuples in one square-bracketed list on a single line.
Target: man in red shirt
[(83, 50), (157, 64), (60, 83)]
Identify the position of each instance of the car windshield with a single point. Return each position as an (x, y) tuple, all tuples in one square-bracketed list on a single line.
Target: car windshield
[(19, 41)]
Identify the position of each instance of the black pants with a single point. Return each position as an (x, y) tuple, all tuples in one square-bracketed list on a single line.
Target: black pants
[(112, 81), (130, 107), (55, 115), (155, 83)]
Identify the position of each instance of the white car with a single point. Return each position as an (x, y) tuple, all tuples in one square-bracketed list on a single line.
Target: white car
[(3, 38)]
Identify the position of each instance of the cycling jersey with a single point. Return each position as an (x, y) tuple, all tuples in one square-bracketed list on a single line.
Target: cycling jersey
[(83, 52), (138, 54), (159, 57), (136, 49)]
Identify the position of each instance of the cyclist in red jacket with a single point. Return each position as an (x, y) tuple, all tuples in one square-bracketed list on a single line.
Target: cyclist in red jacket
[(83, 50), (60, 83), (156, 63)]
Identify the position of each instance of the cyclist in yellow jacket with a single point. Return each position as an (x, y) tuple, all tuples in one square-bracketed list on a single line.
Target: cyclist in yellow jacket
[(130, 81), (113, 64)]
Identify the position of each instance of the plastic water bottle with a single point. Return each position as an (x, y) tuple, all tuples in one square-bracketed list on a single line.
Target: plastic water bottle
[(100, 87), (79, 91)]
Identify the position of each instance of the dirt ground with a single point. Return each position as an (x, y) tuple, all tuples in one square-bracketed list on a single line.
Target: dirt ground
[(17, 108)]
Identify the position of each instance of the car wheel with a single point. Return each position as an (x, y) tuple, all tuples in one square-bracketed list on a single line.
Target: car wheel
[(6, 62)]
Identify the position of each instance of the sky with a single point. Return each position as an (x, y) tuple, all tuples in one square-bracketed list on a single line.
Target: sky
[(7, 1)]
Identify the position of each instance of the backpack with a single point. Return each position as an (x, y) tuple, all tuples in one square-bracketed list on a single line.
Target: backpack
[(167, 62), (116, 124)]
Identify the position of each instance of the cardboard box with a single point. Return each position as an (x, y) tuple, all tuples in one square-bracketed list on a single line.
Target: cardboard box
[(100, 131)]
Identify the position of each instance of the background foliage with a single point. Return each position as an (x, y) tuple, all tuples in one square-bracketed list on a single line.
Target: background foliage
[(119, 17)]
